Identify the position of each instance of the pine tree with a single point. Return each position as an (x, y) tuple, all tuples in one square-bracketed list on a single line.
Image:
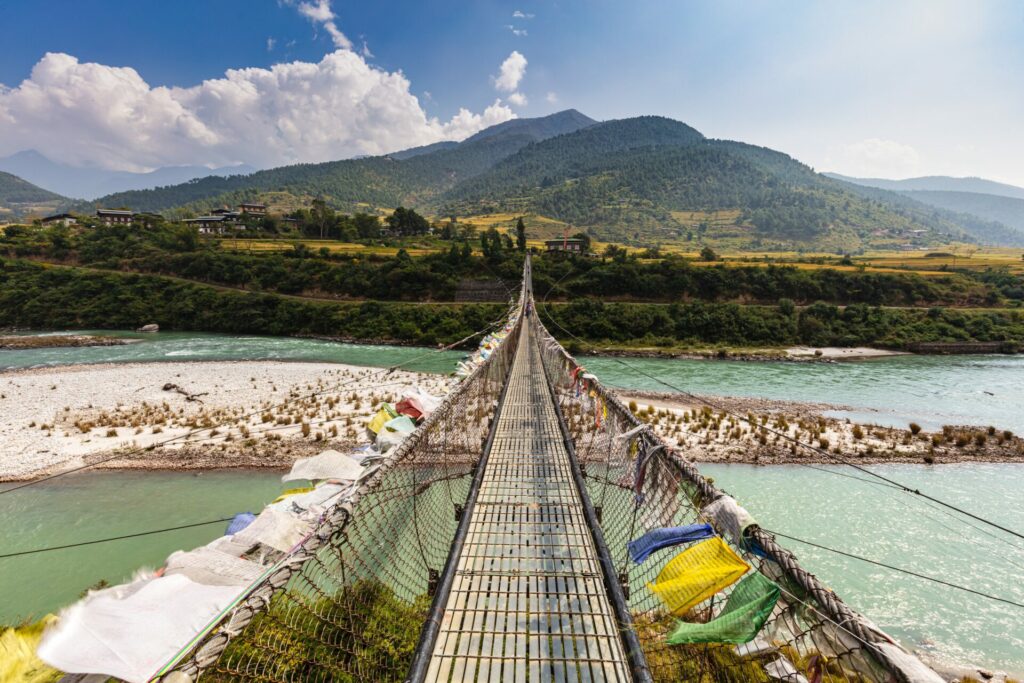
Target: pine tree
[(520, 235)]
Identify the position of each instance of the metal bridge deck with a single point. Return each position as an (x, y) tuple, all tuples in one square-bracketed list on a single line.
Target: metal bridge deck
[(528, 601)]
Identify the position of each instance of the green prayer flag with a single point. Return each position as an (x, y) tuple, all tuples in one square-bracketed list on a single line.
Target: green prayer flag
[(747, 608)]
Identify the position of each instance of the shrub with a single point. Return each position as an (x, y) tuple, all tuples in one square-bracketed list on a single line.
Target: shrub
[(858, 433), (915, 428)]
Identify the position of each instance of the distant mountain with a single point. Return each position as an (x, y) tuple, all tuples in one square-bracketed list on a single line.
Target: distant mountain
[(88, 182), (1006, 210), (644, 180), (535, 129), (980, 229), (19, 198), (988, 201), (938, 183), (540, 128)]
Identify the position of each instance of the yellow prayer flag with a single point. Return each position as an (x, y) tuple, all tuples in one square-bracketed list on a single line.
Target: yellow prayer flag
[(697, 573)]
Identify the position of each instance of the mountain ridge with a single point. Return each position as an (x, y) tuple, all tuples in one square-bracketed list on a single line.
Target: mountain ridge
[(937, 184), (19, 197), (642, 180), (90, 183)]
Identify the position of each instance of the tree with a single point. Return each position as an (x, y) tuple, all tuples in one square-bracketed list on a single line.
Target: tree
[(490, 244), (407, 222), (367, 226), (708, 254), (322, 216), (520, 235), (585, 239)]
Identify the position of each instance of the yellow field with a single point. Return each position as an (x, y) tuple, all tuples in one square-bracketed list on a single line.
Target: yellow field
[(539, 228), (335, 247)]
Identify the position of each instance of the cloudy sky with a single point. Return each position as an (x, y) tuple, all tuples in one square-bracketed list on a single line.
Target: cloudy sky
[(890, 88)]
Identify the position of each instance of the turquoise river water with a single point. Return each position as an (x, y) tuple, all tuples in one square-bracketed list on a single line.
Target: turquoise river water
[(814, 505)]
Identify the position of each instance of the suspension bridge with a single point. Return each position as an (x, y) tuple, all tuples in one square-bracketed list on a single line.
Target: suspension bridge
[(532, 528)]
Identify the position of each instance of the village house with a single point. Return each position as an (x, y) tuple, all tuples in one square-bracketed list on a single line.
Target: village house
[(253, 209), (115, 216), (214, 224), (64, 219), (571, 245)]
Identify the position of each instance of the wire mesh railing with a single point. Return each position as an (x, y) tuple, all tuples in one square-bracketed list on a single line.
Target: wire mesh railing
[(349, 603), (638, 483)]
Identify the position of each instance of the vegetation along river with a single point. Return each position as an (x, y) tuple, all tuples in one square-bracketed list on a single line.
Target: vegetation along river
[(815, 505)]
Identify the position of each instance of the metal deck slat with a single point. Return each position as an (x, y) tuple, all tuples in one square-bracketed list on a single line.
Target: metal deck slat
[(528, 602)]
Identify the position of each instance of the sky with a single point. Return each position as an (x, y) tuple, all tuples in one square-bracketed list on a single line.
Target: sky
[(893, 88)]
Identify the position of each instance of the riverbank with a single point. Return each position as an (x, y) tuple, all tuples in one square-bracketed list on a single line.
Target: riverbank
[(20, 342), (267, 414), (792, 353), (763, 431), (189, 415)]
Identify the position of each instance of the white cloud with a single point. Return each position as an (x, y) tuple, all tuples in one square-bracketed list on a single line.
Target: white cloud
[(320, 12), (519, 14), (511, 72), (518, 99), (465, 123), (876, 157), (520, 32), (270, 44), (93, 114), (551, 97)]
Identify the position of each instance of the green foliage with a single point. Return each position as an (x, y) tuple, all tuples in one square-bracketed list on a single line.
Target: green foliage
[(363, 633), (708, 254), (699, 323), (169, 249), (32, 296), (407, 222)]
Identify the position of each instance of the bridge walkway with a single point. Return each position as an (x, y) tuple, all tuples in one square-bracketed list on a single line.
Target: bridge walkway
[(528, 602)]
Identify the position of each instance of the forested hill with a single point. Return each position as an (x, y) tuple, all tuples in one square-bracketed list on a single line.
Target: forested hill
[(15, 190), (19, 197), (410, 177), (642, 180)]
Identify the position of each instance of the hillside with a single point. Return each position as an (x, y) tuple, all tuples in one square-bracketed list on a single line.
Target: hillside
[(938, 184), (655, 180), (982, 229), (409, 177), (86, 182), (19, 198), (1006, 210), (645, 180)]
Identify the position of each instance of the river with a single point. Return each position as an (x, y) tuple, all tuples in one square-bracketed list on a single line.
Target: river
[(815, 505)]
